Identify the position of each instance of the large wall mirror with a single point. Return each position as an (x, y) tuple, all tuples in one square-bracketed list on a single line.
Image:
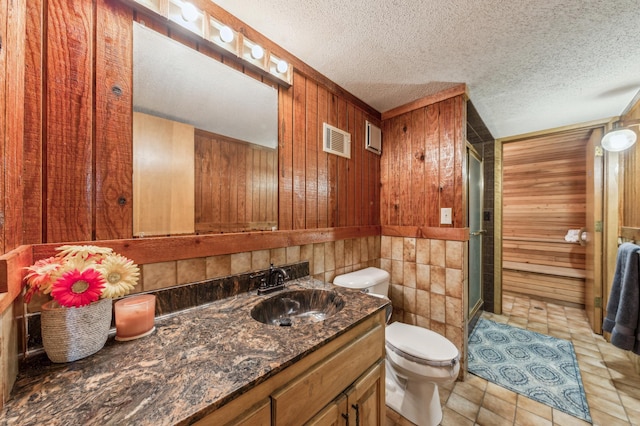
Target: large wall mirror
[(205, 140)]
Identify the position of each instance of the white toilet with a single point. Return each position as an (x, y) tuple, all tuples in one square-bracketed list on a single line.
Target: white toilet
[(418, 360)]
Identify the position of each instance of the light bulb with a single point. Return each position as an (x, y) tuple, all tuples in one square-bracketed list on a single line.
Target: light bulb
[(257, 52), (282, 67), (189, 12), (226, 34)]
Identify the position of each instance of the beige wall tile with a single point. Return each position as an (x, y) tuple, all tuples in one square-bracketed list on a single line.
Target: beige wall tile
[(409, 250), (438, 279), (454, 311), (339, 254), (437, 253), (397, 248), (355, 246), (453, 279), (159, 275), (409, 274), (293, 254), (454, 254), (348, 252), (364, 250), (371, 247), (191, 270), (438, 327), (278, 256), (423, 251), (397, 296), (377, 245), (397, 269), (306, 253), (397, 315), (409, 318), (386, 265), (385, 247), (241, 263), (423, 277), (454, 334), (424, 322), (329, 256), (409, 304), (423, 303), (218, 266), (438, 307), (260, 259), (318, 259)]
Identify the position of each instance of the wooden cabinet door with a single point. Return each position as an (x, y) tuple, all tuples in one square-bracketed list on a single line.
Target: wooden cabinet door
[(332, 415), (257, 415), (366, 398)]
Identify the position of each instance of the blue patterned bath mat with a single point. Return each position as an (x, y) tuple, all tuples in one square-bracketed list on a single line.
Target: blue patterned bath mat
[(541, 367)]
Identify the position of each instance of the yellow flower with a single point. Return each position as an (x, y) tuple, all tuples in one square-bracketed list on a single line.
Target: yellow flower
[(120, 274), (84, 252)]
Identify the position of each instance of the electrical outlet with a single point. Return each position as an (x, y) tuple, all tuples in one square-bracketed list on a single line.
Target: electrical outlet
[(445, 216)]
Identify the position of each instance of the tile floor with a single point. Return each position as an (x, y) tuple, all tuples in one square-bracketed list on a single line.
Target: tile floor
[(611, 384)]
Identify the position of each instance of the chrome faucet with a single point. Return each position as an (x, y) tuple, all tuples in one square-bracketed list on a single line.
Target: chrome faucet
[(274, 281)]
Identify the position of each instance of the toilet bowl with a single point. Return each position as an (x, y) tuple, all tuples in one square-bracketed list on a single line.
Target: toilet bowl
[(417, 360)]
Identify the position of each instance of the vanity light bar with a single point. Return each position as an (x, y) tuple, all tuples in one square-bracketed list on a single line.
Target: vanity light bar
[(221, 36)]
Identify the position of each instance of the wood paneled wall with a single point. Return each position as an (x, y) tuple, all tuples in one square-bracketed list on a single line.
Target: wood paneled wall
[(12, 59), (543, 196), (630, 160), (78, 142), (424, 164), (236, 185)]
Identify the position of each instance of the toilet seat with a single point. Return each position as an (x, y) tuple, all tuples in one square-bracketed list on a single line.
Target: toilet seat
[(422, 346)]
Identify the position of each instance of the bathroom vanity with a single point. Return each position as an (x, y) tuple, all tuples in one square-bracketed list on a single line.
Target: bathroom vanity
[(215, 364)]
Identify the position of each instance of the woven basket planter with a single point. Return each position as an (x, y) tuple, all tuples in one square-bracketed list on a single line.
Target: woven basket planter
[(69, 334)]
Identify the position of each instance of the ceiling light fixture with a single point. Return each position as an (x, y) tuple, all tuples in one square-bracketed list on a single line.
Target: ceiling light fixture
[(620, 137)]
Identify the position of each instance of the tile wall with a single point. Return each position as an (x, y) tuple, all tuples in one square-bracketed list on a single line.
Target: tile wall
[(326, 260), (427, 284)]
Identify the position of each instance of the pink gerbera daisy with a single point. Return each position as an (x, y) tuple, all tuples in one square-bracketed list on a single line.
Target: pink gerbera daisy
[(75, 288)]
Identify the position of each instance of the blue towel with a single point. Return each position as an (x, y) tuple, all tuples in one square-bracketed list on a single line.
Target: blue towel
[(623, 319)]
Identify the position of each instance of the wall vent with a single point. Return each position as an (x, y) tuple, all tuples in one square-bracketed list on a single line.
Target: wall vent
[(336, 141), (373, 138)]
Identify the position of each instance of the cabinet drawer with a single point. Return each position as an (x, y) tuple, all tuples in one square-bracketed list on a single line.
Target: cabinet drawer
[(303, 398)]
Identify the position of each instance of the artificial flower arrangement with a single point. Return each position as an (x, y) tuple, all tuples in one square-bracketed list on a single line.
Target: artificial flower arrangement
[(80, 275)]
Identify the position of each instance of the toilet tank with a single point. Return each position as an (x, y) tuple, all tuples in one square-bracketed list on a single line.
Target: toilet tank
[(369, 280)]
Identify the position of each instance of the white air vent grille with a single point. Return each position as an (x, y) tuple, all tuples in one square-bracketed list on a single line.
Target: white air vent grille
[(336, 141), (373, 138)]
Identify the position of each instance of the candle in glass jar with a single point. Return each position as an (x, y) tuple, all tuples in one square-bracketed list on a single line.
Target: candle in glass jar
[(135, 316)]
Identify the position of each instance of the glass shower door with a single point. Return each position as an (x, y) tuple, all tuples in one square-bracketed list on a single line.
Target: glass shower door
[(475, 178)]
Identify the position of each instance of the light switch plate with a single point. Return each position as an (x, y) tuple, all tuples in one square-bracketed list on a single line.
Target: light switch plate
[(445, 216)]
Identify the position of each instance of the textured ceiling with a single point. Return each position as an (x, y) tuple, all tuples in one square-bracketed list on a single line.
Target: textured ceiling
[(528, 65)]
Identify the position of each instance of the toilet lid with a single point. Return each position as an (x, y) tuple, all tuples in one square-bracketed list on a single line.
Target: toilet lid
[(421, 344)]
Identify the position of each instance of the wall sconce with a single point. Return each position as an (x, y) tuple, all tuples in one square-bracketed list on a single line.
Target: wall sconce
[(620, 137)]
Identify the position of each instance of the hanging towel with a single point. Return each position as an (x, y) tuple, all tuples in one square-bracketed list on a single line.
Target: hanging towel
[(623, 319)]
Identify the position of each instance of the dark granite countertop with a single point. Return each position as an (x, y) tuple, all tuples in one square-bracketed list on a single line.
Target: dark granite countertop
[(195, 362)]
